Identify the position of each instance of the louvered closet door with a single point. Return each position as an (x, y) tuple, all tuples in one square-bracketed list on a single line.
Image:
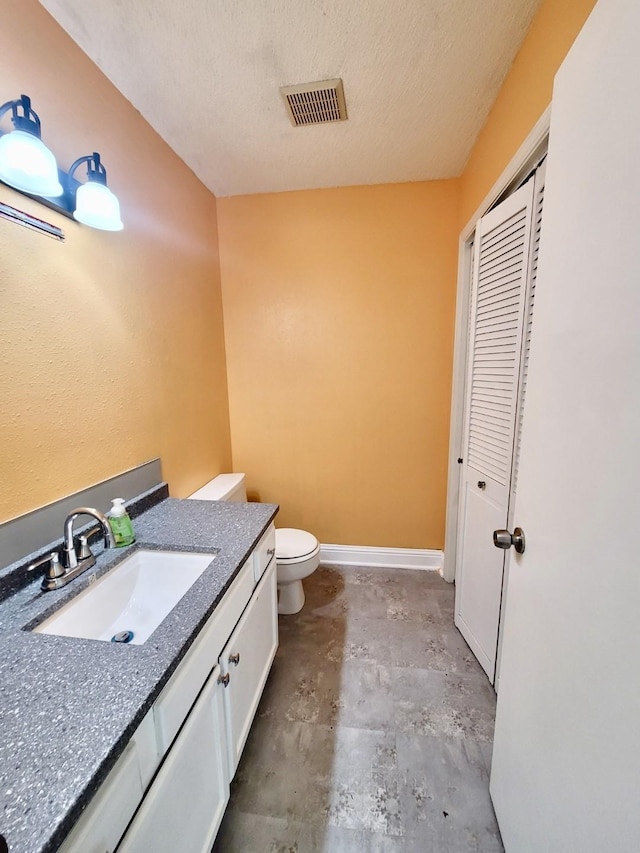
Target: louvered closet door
[(499, 296)]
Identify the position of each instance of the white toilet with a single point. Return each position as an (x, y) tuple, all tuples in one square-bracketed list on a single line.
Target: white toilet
[(297, 552), (298, 556)]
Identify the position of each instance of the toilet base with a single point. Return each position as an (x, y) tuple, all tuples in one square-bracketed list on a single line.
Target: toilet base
[(290, 598)]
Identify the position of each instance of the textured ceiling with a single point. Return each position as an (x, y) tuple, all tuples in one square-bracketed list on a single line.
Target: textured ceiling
[(420, 77)]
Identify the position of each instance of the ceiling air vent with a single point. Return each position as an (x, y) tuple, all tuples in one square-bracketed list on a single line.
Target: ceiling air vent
[(315, 103)]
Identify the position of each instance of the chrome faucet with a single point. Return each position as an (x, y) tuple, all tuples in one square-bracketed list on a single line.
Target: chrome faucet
[(75, 560), (69, 553)]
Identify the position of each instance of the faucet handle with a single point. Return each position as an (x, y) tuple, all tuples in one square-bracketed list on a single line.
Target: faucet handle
[(82, 550), (54, 568)]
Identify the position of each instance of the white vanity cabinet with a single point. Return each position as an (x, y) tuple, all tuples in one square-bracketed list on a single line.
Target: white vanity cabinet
[(169, 789), (246, 661)]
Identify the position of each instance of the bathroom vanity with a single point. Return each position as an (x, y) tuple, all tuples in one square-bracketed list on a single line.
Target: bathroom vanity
[(144, 740)]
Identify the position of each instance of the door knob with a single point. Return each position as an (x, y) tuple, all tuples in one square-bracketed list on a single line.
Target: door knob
[(504, 539), (482, 484)]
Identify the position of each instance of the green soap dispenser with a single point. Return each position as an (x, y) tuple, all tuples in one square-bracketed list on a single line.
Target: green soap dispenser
[(121, 524)]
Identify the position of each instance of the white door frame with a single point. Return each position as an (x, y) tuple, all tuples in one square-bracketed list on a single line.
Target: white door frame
[(519, 166)]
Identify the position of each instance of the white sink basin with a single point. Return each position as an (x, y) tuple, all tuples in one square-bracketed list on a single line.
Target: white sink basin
[(136, 595)]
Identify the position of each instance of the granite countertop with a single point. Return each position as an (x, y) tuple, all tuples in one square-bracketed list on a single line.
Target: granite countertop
[(69, 706)]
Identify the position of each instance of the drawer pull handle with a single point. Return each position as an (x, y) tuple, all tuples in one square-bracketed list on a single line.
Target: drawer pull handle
[(224, 679), (235, 659), (271, 552)]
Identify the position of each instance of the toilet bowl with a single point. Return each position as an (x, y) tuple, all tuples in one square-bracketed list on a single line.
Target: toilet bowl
[(297, 552), (298, 556)]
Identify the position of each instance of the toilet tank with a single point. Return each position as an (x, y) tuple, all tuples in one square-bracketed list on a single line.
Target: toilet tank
[(224, 487)]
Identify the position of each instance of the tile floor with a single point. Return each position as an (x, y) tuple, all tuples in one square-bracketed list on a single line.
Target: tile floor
[(374, 731)]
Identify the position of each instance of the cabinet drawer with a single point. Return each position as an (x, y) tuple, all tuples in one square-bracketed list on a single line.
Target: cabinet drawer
[(183, 807), (264, 552), (172, 706), (246, 660)]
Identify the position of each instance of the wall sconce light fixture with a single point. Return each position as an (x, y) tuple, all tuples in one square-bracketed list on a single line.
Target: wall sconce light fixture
[(25, 161), (95, 204), (27, 165)]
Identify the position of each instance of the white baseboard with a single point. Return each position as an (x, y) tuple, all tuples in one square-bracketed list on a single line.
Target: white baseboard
[(387, 558)]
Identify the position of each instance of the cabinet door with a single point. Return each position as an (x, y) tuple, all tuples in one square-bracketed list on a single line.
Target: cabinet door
[(246, 661), (184, 806), (100, 828), (105, 819), (173, 704)]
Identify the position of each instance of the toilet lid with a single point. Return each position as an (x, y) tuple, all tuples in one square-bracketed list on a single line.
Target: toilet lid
[(292, 543)]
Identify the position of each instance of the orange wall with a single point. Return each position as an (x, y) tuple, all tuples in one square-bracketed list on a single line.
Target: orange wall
[(524, 96), (112, 347), (339, 323)]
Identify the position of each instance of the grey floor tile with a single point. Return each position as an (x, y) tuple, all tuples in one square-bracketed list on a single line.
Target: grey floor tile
[(355, 693), (364, 696), (428, 702), (306, 690), (364, 782), (285, 771), (444, 794), (398, 643)]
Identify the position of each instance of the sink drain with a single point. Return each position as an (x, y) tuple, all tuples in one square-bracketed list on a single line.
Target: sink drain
[(122, 637)]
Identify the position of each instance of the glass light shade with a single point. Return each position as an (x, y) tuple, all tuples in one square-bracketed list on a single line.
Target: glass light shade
[(98, 207), (27, 164)]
